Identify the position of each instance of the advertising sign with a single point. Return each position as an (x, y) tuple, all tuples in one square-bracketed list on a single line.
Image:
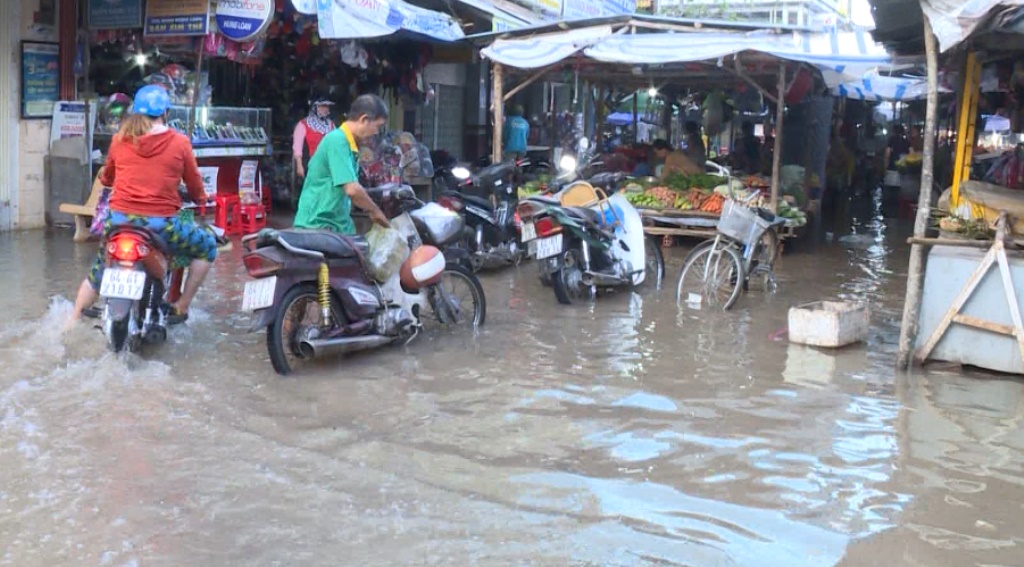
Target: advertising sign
[(69, 120), (40, 78), (177, 17), (244, 20), (580, 9), (618, 7), (114, 14), (307, 7)]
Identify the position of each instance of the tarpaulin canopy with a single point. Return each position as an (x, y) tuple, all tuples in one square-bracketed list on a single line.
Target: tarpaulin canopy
[(351, 19), (953, 21), (845, 56), (875, 87)]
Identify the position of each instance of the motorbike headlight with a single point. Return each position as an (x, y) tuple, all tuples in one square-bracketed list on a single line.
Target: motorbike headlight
[(460, 173), (567, 163)]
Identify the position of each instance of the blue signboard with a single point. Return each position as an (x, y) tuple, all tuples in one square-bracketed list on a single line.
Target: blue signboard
[(177, 17), (40, 78), (616, 7), (114, 14)]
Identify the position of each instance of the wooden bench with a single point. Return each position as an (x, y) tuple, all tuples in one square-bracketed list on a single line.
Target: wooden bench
[(83, 214)]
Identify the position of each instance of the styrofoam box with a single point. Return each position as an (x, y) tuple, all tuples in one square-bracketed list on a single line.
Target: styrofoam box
[(829, 324)]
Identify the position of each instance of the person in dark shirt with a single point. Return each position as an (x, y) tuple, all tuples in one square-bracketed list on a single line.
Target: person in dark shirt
[(899, 146)]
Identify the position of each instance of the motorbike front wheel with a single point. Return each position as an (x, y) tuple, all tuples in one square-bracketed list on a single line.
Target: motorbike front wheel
[(459, 298)]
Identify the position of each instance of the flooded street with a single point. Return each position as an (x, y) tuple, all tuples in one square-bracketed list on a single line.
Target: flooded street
[(622, 433)]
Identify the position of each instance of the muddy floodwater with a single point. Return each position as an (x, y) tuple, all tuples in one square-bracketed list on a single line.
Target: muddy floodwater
[(622, 433)]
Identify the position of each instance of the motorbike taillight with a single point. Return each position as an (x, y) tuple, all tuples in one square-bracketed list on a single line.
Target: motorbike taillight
[(546, 227), (450, 203), (260, 266), (127, 248)]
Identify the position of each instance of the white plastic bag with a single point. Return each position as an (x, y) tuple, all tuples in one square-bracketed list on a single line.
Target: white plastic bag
[(388, 249)]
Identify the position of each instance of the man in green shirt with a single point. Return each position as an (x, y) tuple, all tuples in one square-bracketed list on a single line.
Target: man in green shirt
[(332, 180)]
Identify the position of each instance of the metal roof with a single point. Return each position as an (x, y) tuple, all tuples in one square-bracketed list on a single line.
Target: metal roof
[(653, 22)]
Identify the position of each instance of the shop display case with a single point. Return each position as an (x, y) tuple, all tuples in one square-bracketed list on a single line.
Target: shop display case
[(225, 131)]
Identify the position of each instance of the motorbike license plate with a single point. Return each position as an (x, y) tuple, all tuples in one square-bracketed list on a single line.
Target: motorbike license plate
[(259, 294), (528, 232), (123, 284), (549, 247)]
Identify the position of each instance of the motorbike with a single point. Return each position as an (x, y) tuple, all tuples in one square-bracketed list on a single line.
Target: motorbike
[(314, 296), (139, 284), (584, 239), (488, 201)]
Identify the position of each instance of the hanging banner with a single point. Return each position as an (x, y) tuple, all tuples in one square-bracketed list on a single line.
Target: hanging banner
[(307, 7), (244, 20), (177, 17), (69, 120), (354, 19), (114, 14)]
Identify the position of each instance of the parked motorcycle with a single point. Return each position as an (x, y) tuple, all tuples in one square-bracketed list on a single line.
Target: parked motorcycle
[(314, 296), (584, 240), (139, 284), (488, 200)]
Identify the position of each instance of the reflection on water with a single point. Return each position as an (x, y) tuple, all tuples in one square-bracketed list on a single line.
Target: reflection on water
[(626, 432)]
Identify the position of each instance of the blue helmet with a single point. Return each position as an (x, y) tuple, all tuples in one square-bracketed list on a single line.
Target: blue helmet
[(152, 100)]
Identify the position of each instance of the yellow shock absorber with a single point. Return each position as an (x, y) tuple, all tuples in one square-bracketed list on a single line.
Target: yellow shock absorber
[(324, 294)]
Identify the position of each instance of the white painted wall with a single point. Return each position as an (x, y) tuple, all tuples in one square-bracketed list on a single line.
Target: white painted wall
[(23, 143), (33, 139)]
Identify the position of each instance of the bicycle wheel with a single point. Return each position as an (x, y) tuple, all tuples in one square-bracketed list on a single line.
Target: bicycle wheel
[(712, 275), (762, 266)]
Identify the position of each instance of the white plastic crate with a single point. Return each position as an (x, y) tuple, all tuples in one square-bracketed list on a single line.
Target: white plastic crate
[(830, 324)]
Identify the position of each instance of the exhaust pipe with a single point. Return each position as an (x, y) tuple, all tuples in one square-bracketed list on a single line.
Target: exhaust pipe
[(601, 280), (342, 345)]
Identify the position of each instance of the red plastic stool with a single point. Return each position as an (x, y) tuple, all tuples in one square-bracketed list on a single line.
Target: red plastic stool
[(254, 218), (229, 214)]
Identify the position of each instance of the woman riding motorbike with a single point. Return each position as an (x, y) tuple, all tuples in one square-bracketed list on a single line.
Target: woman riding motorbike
[(146, 164)]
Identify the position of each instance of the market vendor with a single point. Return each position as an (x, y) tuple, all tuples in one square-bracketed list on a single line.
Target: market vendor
[(310, 131), (748, 149), (673, 160), (695, 148), (333, 183)]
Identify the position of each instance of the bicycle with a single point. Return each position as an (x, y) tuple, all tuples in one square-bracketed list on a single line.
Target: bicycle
[(746, 245)]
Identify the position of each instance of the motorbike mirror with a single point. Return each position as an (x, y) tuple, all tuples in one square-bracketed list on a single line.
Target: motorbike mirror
[(567, 163), (460, 173)]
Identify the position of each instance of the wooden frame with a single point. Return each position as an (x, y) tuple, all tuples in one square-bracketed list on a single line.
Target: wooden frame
[(31, 73)]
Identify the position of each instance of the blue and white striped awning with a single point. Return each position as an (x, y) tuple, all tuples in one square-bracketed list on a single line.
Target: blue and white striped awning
[(841, 56), (875, 87)]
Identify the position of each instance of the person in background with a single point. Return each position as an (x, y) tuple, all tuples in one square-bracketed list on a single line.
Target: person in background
[(748, 150), (332, 186), (146, 164), (309, 132), (643, 167), (695, 148), (673, 160), (516, 133), (898, 147)]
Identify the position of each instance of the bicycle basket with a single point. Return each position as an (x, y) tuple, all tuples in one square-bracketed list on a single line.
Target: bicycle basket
[(741, 224)]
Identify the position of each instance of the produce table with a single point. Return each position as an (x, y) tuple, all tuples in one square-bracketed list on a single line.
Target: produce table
[(696, 224)]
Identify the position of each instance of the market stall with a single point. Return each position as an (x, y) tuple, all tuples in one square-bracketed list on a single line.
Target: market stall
[(682, 56), (963, 291)]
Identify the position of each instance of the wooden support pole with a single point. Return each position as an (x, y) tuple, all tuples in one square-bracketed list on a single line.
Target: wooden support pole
[(498, 97), (915, 275), (527, 82), (780, 115), (739, 72), (636, 115)]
